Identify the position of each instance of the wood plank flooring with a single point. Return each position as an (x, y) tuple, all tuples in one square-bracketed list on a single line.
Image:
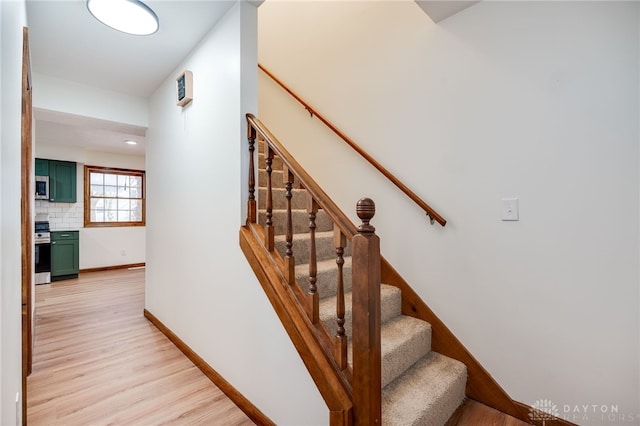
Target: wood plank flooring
[(473, 413), (98, 361)]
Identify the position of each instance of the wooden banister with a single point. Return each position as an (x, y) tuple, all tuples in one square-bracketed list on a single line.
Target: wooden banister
[(433, 215), (363, 385)]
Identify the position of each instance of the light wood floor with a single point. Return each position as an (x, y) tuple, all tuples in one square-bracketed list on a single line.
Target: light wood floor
[(98, 361), (473, 413)]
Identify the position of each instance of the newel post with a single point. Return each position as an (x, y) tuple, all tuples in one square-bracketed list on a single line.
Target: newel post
[(367, 382)]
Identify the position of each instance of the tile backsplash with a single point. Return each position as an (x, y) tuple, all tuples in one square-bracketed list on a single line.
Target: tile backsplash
[(62, 216)]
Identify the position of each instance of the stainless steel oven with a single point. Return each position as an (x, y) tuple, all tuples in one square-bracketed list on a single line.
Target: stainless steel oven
[(42, 255)]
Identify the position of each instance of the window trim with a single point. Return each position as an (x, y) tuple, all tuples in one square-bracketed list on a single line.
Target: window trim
[(87, 196)]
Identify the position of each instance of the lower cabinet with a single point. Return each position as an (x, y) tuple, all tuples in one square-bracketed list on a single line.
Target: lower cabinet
[(65, 255)]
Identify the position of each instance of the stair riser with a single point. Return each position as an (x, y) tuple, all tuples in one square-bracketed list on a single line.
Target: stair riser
[(300, 219), (390, 307), (276, 164), (451, 400), (324, 248), (277, 180), (327, 280), (401, 358), (398, 356), (441, 383), (298, 199)]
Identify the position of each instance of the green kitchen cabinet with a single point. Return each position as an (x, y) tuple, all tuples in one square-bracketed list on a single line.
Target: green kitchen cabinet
[(65, 255), (62, 181), (42, 167)]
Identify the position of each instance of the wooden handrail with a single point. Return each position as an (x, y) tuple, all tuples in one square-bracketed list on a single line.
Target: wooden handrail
[(433, 215)]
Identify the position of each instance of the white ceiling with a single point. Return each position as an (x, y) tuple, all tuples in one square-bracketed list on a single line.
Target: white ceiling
[(439, 10), (67, 42), (89, 133)]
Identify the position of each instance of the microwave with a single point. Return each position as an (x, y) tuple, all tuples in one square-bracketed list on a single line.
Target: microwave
[(42, 187)]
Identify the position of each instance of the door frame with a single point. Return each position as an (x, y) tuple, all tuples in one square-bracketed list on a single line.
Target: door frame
[(26, 219)]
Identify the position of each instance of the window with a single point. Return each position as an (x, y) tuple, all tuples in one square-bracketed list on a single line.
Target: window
[(113, 197)]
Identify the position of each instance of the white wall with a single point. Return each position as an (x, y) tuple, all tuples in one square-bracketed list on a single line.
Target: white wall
[(534, 100), (56, 94), (198, 282), (99, 247), (12, 20)]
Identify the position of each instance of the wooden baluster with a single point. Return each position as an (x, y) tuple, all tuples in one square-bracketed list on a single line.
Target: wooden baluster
[(289, 260), (367, 381), (340, 242), (269, 231), (251, 203), (314, 299)]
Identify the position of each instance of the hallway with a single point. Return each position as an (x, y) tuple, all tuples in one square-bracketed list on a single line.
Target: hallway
[(98, 361)]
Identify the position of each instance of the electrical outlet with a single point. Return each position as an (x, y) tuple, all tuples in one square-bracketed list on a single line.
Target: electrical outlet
[(510, 209)]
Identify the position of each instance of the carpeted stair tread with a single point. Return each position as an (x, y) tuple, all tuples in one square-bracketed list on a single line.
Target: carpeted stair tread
[(327, 276), (300, 221), (390, 306), (324, 247), (427, 394), (298, 199), (404, 340)]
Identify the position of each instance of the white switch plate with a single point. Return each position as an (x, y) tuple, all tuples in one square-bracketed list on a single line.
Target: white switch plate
[(510, 209)]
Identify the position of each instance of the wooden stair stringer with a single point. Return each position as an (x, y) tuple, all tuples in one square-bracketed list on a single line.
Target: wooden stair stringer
[(481, 386), (334, 389)]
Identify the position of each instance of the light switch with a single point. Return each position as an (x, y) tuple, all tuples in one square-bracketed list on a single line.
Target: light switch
[(510, 209)]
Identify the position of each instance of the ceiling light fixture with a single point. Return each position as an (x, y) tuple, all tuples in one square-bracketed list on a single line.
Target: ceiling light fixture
[(128, 16), (131, 142)]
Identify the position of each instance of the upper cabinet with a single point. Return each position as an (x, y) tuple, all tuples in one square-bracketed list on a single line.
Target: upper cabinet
[(62, 179), (42, 167)]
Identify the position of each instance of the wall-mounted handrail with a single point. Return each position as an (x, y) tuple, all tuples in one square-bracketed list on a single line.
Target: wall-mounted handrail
[(433, 215)]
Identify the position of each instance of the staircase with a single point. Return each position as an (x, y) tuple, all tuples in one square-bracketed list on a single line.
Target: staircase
[(419, 386)]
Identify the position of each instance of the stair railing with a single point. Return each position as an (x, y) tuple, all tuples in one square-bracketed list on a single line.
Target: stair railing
[(433, 215), (363, 382)]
